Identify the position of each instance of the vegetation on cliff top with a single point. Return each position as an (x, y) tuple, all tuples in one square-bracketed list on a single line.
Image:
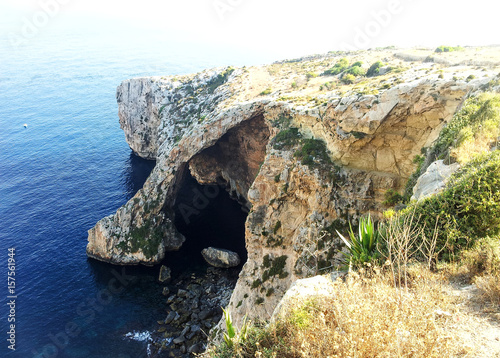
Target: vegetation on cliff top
[(468, 208), (475, 128)]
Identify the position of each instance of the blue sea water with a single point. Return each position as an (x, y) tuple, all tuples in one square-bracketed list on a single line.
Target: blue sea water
[(70, 167)]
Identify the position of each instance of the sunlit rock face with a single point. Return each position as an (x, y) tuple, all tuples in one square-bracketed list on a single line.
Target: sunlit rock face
[(251, 132), (235, 159)]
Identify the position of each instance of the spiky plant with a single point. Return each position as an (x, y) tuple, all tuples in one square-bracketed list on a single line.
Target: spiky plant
[(362, 247)]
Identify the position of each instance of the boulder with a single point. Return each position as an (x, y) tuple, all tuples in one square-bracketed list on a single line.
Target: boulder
[(220, 257), (164, 274), (433, 180), (171, 317), (196, 348), (179, 340), (302, 290)]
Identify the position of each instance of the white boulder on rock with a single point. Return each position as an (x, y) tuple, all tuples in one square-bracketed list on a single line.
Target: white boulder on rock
[(433, 180), (220, 257)]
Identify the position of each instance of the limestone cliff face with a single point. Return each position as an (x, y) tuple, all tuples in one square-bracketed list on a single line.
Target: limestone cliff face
[(139, 114), (305, 159)]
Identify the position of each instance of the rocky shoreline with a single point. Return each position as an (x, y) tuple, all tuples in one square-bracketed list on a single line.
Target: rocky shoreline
[(194, 302)]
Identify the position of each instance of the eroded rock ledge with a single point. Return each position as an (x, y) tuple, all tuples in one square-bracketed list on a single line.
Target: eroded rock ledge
[(225, 128)]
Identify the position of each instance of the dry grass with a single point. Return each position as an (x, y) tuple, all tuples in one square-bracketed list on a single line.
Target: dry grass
[(480, 142), (367, 317), (482, 264), (490, 287), (405, 309), (371, 318)]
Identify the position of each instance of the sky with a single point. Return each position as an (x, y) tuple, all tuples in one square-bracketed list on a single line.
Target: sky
[(272, 28)]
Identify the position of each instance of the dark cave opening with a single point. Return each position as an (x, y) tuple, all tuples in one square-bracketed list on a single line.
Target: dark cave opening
[(207, 216), (211, 203)]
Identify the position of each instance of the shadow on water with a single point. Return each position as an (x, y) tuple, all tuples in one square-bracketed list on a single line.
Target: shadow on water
[(125, 298), (207, 216), (135, 173)]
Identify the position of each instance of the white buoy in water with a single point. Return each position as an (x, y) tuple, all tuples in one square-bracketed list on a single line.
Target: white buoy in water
[(25, 125)]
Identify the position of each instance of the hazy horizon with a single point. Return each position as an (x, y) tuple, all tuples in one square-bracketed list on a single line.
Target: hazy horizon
[(263, 31)]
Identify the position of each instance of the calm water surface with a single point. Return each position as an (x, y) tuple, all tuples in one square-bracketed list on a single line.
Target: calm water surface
[(70, 167)]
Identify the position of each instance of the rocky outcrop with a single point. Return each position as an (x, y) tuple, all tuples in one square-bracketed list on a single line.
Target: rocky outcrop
[(433, 180), (304, 160), (220, 257), (140, 115), (165, 274)]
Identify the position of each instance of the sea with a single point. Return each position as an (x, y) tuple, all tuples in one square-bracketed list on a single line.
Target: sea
[(64, 164)]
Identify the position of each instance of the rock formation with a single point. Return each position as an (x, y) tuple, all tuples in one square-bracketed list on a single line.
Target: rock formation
[(304, 154), (220, 257), (433, 180), (165, 274)]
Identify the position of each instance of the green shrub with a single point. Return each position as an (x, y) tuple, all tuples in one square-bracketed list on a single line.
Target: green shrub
[(256, 283), (283, 121), (277, 268), (348, 79), (468, 208), (374, 69), (483, 257), (392, 197), (412, 181), (266, 91), (310, 75), (470, 78), (146, 238), (313, 153), (474, 112), (277, 227), (286, 138), (339, 67), (355, 71), (448, 49), (219, 80)]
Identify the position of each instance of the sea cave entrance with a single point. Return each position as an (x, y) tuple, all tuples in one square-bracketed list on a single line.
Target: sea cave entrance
[(207, 216), (211, 204)]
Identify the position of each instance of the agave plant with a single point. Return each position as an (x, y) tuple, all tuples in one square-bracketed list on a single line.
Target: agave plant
[(231, 332), (362, 247), (231, 337)]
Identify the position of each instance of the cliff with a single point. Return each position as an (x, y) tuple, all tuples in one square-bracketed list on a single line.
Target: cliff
[(304, 149)]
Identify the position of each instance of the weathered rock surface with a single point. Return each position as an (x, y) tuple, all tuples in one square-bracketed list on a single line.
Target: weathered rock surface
[(302, 290), (220, 257), (433, 180), (165, 274), (218, 125), (140, 118)]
